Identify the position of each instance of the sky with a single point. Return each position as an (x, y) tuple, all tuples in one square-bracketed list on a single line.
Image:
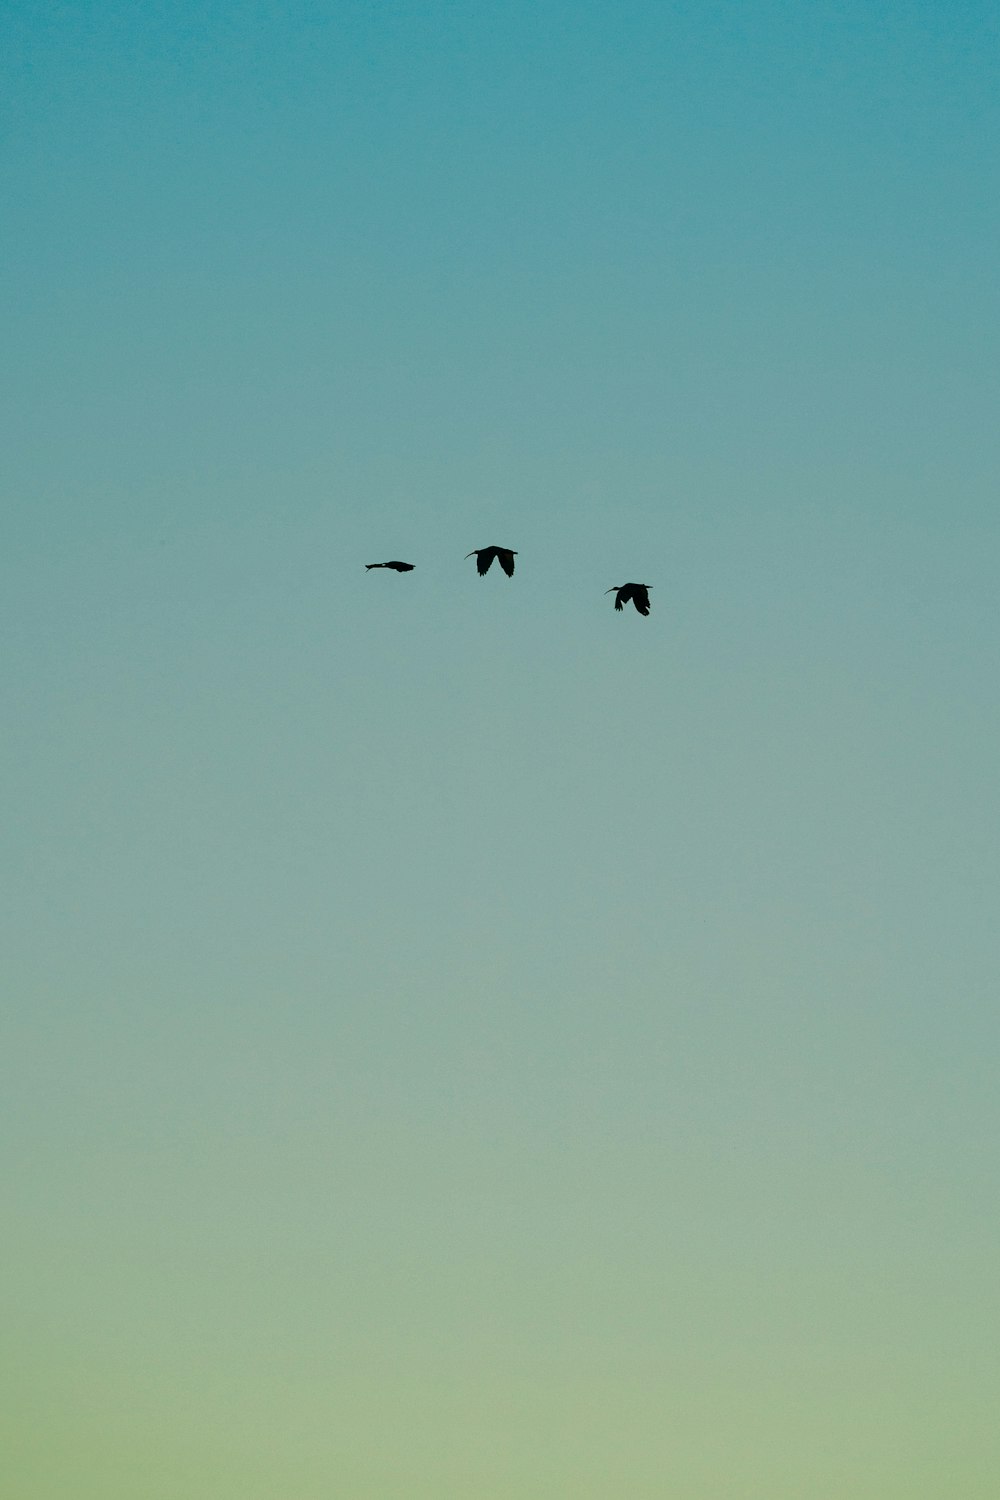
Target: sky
[(460, 1040)]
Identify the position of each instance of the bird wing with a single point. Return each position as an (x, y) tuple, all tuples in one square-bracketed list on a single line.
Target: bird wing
[(620, 597), (640, 598), (400, 567), (506, 560), (484, 559)]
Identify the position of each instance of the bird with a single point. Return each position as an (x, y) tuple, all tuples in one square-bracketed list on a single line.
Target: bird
[(484, 558), (637, 592), (399, 567)]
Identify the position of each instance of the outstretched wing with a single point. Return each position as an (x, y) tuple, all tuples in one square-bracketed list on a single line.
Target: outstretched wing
[(620, 597), (484, 559), (506, 560), (640, 598)]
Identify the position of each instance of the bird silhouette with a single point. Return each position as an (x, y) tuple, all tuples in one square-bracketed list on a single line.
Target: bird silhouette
[(399, 567), (484, 558), (637, 592)]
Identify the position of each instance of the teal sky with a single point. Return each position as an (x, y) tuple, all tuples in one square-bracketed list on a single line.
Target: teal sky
[(460, 1041)]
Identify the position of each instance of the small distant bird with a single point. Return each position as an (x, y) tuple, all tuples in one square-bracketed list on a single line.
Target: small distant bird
[(637, 592), (399, 567), (484, 559)]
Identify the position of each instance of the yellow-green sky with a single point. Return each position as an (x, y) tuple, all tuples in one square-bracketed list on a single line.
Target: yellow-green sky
[(461, 1042)]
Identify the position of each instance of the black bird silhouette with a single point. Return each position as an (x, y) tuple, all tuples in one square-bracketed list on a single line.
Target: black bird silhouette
[(484, 558), (399, 567), (637, 592)]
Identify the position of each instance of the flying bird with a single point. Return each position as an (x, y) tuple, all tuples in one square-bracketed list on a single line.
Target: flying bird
[(637, 592), (484, 558), (399, 567)]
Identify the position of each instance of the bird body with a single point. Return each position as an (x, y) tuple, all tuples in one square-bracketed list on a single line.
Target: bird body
[(484, 559), (637, 592), (400, 567)]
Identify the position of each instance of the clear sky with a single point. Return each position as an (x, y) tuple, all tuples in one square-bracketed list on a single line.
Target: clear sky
[(462, 1042)]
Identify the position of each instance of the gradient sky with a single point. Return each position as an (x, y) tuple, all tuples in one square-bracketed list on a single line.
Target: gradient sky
[(461, 1042)]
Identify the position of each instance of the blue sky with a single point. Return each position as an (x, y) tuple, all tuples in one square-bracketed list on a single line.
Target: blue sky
[(463, 1040)]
